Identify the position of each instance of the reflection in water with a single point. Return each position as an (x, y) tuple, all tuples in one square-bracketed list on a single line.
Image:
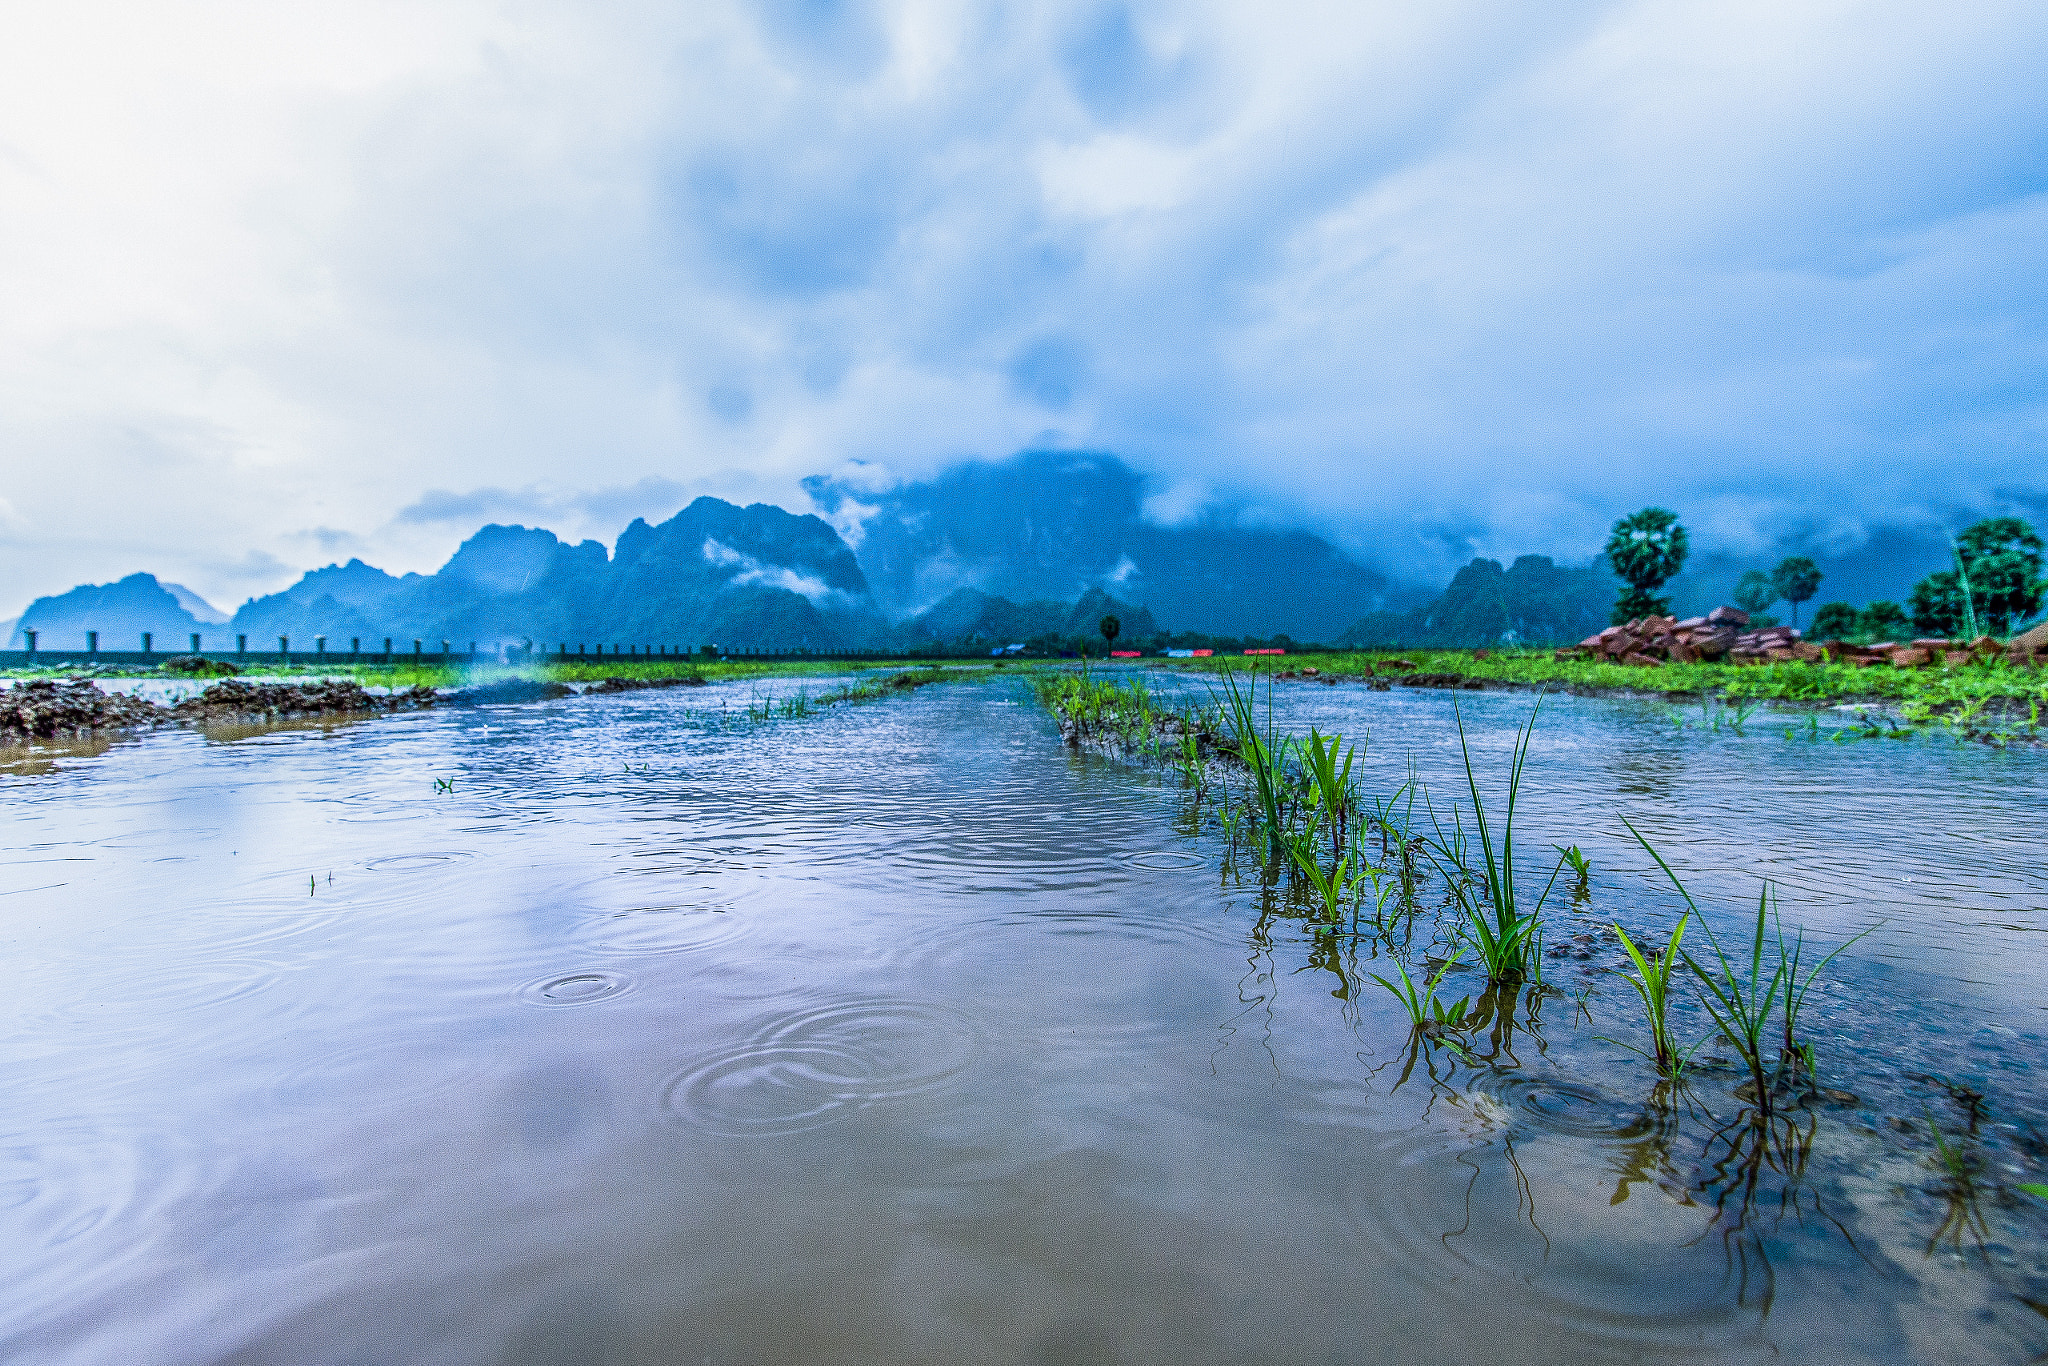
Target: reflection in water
[(900, 1035)]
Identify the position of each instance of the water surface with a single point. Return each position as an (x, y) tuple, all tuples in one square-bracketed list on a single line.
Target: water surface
[(898, 1033)]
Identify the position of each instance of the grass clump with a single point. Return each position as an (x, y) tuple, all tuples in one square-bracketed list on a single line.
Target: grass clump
[(1509, 939)]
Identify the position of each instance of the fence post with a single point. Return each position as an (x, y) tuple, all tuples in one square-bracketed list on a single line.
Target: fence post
[(355, 646), (319, 649), (30, 637), (195, 642), (145, 642), (284, 649), (444, 652), (241, 645), (387, 649), (416, 642), (472, 652)]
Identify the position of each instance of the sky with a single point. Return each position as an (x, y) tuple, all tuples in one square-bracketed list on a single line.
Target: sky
[(282, 284)]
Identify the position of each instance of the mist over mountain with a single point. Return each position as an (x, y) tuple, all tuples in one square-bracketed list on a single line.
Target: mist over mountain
[(1039, 545), (1534, 601), (1050, 525), (713, 573), (968, 616)]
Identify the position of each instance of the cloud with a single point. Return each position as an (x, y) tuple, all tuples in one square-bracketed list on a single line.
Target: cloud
[(652, 497), (749, 570), (1437, 279)]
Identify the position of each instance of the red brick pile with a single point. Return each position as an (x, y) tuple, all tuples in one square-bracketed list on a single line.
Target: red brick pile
[(1651, 642)]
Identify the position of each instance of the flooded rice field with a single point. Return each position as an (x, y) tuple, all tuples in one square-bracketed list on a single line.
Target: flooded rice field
[(606, 1030)]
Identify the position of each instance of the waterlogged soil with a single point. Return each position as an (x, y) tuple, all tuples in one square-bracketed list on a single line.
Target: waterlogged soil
[(623, 1029)]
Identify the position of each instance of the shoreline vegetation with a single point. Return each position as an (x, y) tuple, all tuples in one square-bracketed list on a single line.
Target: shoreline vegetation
[(66, 705), (1411, 889), (1991, 698)]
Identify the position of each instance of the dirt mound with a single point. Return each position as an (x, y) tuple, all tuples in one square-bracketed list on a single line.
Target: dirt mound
[(231, 701), (194, 666), (636, 684), (45, 708)]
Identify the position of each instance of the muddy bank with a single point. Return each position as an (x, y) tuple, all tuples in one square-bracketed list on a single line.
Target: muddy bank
[(50, 709)]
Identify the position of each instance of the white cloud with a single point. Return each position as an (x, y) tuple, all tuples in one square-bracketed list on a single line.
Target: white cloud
[(273, 276), (749, 570)]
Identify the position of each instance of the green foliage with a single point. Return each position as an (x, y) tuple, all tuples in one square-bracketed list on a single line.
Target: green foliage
[(1835, 621), (1427, 1014), (1652, 982), (1937, 604), (1882, 620), (1646, 548), (1999, 559), (1505, 935), (1740, 1003), (1797, 579), (1755, 591), (2002, 558)]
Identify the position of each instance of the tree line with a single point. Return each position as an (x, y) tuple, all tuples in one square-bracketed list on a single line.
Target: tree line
[(1994, 585)]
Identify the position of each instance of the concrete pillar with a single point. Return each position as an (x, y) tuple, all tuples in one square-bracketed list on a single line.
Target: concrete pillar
[(195, 642), (145, 642)]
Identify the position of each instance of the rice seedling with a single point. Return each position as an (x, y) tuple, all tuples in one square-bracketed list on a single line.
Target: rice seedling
[(1264, 753), (1193, 771), (1652, 981), (1581, 866), (444, 785), (1508, 938), (2033, 1188), (1427, 1015), (1330, 789), (1741, 1005)]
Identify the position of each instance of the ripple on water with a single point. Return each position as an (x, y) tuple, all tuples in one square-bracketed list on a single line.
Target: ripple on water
[(661, 929), (822, 1064), (1164, 860), (1555, 1105), (1461, 1202), (576, 989), (399, 863)]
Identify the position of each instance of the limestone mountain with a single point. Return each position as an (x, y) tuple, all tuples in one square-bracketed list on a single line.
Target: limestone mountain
[(1049, 525), (1532, 601), (120, 611), (968, 617), (714, 573)]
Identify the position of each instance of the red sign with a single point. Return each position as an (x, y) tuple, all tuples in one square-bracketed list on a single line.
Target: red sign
[(1203, 654), (1125, 654), (1265, 652)]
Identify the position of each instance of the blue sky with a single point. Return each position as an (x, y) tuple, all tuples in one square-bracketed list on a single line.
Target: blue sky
[(280, 285)]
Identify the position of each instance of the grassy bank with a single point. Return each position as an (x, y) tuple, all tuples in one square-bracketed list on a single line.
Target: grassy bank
[(1994, 696), (400, 676)]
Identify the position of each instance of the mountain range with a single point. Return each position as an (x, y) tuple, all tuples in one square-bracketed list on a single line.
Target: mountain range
[(1043, 545)]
